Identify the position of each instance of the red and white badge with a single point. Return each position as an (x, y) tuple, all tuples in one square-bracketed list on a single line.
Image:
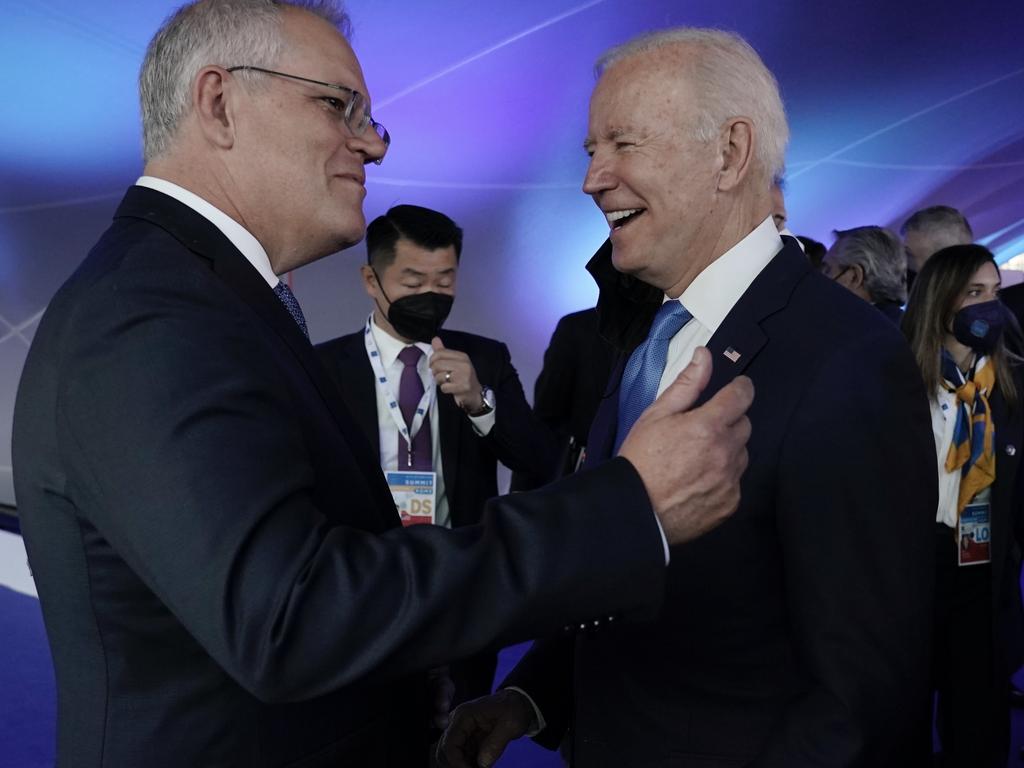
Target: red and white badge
[(415, 495), (975, 534)]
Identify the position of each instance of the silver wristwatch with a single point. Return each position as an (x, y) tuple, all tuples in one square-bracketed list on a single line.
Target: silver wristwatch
[(487, 398)]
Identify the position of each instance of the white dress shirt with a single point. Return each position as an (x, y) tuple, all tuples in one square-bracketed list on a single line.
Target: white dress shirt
[(239, 236), (944, 410), (709, 298), (389, 348), (715, 291)]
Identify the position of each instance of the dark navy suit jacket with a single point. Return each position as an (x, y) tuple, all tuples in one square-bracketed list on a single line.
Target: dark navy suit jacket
[(469, 461), (796, 633), (222, 574)]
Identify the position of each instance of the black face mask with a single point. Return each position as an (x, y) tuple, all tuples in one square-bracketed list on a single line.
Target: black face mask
[(980, 326), (418, 316)]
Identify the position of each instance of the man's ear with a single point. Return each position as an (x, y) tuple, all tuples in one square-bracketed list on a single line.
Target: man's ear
[(736, 145), (370, 284), (212, 94), (856, 279)]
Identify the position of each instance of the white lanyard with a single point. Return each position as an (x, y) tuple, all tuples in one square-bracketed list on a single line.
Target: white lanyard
[(422, 410)]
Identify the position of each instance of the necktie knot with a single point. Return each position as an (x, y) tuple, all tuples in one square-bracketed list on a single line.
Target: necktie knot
[(643, 371), (672, 316), (284, 293), (410, 356)]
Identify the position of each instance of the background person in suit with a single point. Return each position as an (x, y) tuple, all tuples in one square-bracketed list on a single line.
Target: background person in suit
[(929, 230), (476, 413), (222, 573), (572, 381), (796, 633), (870, 263), (957, 329), (1013, 297)]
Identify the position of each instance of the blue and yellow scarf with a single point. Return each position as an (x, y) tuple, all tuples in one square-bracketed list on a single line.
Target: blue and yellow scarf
[(973, 448)]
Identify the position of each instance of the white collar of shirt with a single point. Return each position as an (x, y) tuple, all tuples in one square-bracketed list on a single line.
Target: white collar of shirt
[(239, 236), (389, 347), (714, 292)]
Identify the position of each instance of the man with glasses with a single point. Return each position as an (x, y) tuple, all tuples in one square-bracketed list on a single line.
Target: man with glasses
[(221, 568)]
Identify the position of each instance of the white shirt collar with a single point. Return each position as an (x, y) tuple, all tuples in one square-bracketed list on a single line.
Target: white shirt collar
[(389, 347), (714, 292), (239, 236)]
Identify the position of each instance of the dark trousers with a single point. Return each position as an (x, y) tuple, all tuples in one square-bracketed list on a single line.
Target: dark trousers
[(972, 714)]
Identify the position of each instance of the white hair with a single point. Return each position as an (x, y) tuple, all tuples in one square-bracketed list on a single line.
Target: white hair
[(729, 80), (223, 32), (880, 255)]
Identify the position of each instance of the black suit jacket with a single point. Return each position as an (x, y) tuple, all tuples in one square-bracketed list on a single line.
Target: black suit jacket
[(1007, 536), (222, 574), (577, 364), (795, 634), (1013, 297), (469, 461)]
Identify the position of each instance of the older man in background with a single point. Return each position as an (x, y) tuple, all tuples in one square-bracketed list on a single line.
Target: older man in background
[(870, 263), (929, 230), (796, 634)]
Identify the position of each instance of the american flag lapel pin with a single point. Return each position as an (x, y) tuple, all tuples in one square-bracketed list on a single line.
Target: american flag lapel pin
[(732, 355)]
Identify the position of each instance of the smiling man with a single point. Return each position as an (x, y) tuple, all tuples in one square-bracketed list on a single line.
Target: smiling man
[(795, 634), (223, 575)]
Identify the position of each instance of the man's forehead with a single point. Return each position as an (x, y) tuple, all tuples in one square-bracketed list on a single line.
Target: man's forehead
[(317, 46), (670, 62), (648, 78), (410, 253)]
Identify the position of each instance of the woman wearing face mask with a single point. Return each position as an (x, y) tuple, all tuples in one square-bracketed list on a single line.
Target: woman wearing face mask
[(962, 337)]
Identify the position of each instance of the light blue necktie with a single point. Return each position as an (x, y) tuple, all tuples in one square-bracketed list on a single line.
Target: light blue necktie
[(284, 293), (646, 365)]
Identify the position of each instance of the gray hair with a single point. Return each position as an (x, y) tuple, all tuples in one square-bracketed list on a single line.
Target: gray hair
[(222, 32), (945, 225), (879, 253), (729, 80)]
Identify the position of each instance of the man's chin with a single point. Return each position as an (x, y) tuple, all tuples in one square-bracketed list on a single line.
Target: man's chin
[(625, 261), (352, 234)]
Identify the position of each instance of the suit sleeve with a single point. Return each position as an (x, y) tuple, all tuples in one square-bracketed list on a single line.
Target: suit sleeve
[(546, 673), (552, 398), (183, 440), (856, 498), (520, 440), (553, 401)]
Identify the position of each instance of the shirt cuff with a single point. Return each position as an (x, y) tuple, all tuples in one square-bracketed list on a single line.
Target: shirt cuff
[(483, 425), (538, 723), (664, 542)]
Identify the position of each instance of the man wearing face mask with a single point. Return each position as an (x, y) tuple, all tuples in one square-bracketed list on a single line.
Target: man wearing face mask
[(441, 407)]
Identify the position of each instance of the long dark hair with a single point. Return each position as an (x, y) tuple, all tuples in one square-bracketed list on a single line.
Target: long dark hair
[(929, 315)]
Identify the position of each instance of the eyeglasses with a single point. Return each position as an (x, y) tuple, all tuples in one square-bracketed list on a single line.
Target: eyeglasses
[(354, 110)]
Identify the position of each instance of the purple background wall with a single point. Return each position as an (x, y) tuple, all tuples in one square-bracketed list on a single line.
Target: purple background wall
[(892, 105)]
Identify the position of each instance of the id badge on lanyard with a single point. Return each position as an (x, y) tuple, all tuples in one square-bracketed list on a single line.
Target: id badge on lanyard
[(415, 496), (975, 531), (415, 493)]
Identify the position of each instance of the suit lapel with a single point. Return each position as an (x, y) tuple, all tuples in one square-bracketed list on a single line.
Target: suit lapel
[(601, 438), (733, 346), (449, 419), (200, 236), (356, 379), (1007, 451), (741, 337)]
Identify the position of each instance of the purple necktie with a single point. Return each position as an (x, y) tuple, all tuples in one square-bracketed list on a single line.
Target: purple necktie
[(410, 391)]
